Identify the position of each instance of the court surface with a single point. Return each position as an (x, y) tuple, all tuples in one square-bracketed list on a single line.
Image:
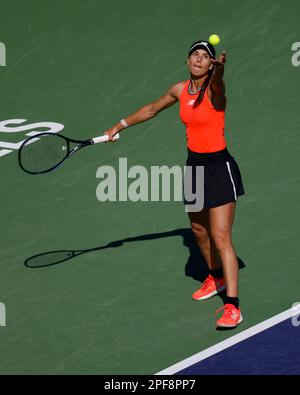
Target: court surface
[(122, 303), (269, 348)]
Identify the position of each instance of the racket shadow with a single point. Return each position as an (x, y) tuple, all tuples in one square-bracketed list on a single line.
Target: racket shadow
[(51, 258), (195, 267)]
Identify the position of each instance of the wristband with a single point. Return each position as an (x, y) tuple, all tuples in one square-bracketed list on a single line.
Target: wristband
[(124, 123)]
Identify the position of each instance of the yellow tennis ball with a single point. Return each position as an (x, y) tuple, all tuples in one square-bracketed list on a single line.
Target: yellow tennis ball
[(214, 39)]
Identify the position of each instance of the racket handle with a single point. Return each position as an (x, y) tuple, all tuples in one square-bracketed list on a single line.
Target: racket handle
[(104, 138)]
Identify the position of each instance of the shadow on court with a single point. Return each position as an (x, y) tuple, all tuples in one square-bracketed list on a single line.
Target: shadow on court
[(195, 267)]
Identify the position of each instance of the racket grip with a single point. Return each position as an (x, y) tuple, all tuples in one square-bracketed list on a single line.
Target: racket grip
[(104, 138)]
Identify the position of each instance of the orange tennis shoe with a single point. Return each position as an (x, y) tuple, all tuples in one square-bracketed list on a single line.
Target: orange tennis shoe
[(230, 318), (210, 287)]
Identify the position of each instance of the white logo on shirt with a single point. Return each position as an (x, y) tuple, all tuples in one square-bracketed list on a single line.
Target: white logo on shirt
[(191, 102)]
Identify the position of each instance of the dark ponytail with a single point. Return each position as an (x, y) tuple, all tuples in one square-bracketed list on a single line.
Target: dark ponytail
[(204, 87)]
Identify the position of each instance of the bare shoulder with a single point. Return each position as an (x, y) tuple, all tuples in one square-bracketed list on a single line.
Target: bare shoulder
[(176, 89)]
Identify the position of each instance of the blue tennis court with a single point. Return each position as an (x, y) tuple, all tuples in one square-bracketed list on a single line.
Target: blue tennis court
[(269, 348)]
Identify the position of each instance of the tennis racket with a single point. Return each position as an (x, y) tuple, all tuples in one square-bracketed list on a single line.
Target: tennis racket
[(46, 151)]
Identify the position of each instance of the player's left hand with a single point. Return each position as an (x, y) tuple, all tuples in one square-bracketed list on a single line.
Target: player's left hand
[(221, 60)]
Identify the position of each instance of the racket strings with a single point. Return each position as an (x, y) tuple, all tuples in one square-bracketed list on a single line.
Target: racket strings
[(43, 153)]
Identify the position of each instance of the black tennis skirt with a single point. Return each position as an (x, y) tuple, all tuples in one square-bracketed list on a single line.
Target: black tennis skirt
[(220, 180)]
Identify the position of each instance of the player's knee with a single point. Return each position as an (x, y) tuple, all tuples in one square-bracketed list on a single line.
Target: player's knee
[(199, 231), (221, 238)]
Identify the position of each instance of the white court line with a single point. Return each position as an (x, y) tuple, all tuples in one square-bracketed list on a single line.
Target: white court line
[(200, 356)]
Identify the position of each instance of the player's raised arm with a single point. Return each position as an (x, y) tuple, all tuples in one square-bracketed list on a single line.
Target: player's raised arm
[(148, 111), (217, 84)]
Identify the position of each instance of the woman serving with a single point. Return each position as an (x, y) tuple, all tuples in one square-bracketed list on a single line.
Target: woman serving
[(202, 110)]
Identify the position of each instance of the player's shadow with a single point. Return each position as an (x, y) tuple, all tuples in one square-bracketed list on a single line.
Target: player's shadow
[(195, 266)]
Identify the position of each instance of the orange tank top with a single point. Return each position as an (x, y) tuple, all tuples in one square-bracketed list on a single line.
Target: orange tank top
[(204, 124)]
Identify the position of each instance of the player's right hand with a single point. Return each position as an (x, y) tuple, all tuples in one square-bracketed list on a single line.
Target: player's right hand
[(111, 132)]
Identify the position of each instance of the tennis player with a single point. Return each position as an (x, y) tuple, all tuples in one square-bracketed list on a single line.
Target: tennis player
[(202, 110)]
